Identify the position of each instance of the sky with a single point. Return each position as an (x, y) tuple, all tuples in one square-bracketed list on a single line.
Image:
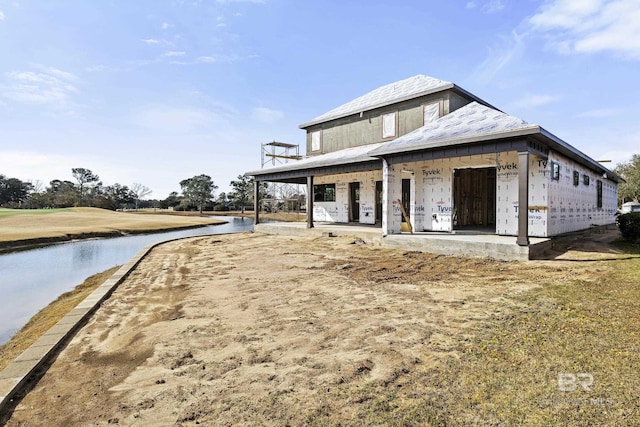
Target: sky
[(156, 91)]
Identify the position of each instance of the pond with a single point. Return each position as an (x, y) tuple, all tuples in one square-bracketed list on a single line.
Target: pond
[(31, 279)]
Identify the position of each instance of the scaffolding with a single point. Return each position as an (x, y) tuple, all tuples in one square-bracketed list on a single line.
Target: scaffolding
[(281, 196)]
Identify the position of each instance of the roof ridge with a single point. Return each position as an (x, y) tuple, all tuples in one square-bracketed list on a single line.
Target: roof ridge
[(407, 88)]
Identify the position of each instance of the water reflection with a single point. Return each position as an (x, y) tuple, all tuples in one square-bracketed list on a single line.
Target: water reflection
[(29, 280)]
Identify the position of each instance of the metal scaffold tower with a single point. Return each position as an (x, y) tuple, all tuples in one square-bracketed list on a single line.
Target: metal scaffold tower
[(281, 196)]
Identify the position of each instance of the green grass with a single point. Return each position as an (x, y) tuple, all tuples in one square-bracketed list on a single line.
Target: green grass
[(4, 212), (509, 373)]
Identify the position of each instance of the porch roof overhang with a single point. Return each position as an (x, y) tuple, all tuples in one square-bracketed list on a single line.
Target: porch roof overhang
[(353, 159), (478, 129), (535, 140)]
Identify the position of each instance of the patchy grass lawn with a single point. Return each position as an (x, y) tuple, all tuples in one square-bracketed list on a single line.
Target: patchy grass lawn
[(509, 372)]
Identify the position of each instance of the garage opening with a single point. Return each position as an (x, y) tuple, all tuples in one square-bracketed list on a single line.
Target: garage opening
[(474, 199)]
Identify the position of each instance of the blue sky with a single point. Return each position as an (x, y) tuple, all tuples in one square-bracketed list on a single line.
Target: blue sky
[(154, 91)]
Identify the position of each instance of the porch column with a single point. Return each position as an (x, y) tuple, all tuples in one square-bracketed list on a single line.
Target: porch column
[(523, 199), (391, 192), (310, 201), (256, 202)]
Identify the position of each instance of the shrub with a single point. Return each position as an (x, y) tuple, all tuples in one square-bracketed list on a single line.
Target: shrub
[(629, 225)]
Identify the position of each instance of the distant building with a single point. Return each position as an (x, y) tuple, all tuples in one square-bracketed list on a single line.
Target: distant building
[(451, 161)]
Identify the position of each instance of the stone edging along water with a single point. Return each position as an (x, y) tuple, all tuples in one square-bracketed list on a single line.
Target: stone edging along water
[(18, 373)]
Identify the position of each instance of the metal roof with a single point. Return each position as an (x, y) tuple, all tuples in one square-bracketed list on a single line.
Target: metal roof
[(341, 157), (392, 93), (466, 124), (475, 123)]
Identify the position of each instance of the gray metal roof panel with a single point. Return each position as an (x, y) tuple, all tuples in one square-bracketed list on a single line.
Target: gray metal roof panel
[(392, 93), (472, 122), (340, 157)]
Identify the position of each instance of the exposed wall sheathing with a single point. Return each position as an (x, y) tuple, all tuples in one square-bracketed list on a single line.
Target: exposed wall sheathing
[(555, 207), (338, 211), (572, 207)]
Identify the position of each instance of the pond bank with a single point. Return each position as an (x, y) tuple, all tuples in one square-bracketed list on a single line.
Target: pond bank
[(37, 242), (36, 227)]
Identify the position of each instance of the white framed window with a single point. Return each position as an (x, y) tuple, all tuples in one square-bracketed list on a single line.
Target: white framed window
[(431, 112), (389, 125), (315, 141)]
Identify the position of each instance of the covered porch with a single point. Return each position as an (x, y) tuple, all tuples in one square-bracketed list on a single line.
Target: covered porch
[(471, 245)]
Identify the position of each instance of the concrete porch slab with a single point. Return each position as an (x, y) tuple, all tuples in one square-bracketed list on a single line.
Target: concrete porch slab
[(471, 245)]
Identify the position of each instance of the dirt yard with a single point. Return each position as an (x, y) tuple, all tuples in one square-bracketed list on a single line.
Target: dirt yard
[(273, 330)]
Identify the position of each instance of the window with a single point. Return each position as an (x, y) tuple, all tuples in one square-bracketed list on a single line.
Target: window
[(599, 190), (324, 193), (389, 125), (576, 178), (585, 179), (431, 112), (555, 171), (315, 141)]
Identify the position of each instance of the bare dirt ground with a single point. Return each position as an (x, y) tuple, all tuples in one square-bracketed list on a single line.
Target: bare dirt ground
[(274, 330)]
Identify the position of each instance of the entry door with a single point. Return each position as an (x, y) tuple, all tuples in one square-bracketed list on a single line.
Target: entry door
[(378, 201), (354, 202)]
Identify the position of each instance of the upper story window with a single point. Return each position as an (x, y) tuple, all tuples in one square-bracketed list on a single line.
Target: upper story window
[(316, 143), (576, 178), (431, 112), (389, 125)]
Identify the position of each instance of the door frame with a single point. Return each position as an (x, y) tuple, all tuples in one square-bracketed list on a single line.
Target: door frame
[(354, 201)]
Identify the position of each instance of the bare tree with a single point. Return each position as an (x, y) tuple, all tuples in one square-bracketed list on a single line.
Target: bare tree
[(139, 192)]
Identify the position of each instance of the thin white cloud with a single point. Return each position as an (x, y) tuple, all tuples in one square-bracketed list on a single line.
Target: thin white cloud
[(240, 1), (50, 87), (208, 59), (489, 6), (174, 53), (166, 26), (150, 41), (64, 75), (1, 15), (599, 113), (530, 100), (493, 6), (590, 26), (266, 115), (169, 119), (499, 56)]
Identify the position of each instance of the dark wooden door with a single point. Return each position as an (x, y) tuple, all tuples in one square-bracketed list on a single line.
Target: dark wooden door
[(378, 201), (354, 201)]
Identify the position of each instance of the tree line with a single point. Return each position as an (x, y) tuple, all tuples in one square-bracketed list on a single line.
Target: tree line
[(86, 189)]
